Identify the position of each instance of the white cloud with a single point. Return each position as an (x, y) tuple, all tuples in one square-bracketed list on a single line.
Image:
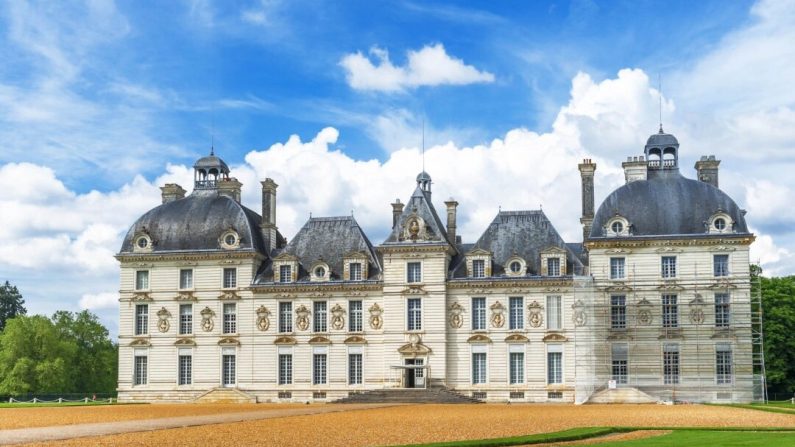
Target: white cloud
[(105, 300), (429, 66)]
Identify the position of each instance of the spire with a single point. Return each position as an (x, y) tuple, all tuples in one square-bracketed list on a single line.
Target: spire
[(659, 92)]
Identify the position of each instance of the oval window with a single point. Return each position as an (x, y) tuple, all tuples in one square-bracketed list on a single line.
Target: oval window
[(320, 272), (143, 242), (720, 224), (230, 239), (617, 227), (516, 266)]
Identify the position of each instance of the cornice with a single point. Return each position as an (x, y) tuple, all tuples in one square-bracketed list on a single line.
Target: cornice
[(130, 258), (322, 288), (510, 283), (671, 241)]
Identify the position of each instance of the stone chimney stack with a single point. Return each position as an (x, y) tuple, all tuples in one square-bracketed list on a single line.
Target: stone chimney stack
[(171, 192), (635, 168), (587, 169), (229, 187), (268, 224), (397, 210), (707, 170), (451, 215)]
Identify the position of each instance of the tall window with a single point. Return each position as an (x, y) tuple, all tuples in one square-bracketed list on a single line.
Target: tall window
[(720, 265), (285, 316), (516, 365), (321, 316), (478, 268), (554, 364), (620, 357), (230, 278), (285, 369), (414, 306), (478, 367), (516, 313), (319, 369), (414, 272), (723, 363), (478, 314), (618, 312), (670, 363), (228, 364), (141, 319), (142, 280), (669, 266), (355, 314), (617, 268), (140, 362), (185, 319), (670, 311), (285, 273), (185, 367), (553, 266), (355, 271), (722, 310), (230, 318), (186, 279), (553, 312), (354, 368)]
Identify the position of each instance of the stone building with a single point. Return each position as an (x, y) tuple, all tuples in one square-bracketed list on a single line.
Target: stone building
[(653, 304)]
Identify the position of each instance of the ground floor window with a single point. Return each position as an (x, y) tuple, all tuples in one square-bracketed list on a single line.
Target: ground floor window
[(285, 368), (140, 366), (228, 364), (671, 364), (354, 368), (723, 364), (516, 365), (319, 368), (619, 362), (554, 364), (478, 367), (185, 367)]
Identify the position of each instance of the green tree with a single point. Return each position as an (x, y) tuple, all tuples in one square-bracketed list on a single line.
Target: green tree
[(11, 303), (778, 304), (97, 356)]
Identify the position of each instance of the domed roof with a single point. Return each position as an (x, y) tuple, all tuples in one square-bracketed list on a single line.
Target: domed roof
[(662, 139), (667, 204), (197, 222), (211, 161), (423, 177)]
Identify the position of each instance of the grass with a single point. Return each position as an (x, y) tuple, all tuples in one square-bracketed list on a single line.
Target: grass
[(574, 434), (56, 404), (782, 407)]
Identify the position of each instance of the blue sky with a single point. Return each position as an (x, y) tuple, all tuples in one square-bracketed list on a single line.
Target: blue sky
[(102, 102)]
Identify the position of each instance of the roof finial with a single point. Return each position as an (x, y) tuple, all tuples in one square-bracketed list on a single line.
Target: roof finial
[(423, 144), (212, 145), (659, 92)]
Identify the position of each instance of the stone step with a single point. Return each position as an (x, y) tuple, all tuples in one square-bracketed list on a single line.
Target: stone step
[(226, 395), (623, 395), (409, 395)]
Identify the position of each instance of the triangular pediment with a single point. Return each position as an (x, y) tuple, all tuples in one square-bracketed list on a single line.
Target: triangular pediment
[(478, 252), (553, 249), (285, 257)]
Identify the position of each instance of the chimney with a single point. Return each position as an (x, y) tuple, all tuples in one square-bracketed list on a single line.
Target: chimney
[(171, 192), (229, 187), (707, 170), (397, 210), (268, 224), (587, 168), (635, 169), (451, 211)]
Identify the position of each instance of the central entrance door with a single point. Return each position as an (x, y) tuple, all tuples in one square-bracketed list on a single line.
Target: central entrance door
[(415, 377)]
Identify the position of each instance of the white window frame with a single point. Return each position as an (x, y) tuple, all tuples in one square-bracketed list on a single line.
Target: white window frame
[(553, 266), (229, 318), (479, 349), (668, 267), (288, 321), (184, 352), (618, 311), (355, 350), (414, 279), (287, 379), (554, 349), (183, 324), (228, 351), (670, 310), (674, 377), (413, 320), (554, 320), (141, 320), (144, 379), (479, 314), (517, 323), (725, 378), (187, 285), (517, 348), (478, 268), (318, 351), (320, 316), (355, 316), (145, 274), (722, 308), (620, 378), (619, 270), (355, 274), (725, 271), (288, 277), (229, 284)]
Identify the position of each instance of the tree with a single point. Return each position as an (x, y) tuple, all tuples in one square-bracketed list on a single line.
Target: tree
[(778, 304), (11, 303), (97, 356)]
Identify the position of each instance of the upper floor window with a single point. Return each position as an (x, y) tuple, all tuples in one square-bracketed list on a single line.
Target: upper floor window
[(141, 319), (355, 313), (478, 314), (285, 316), (478, 268), (230, 278), (414, 272), (321, 316), (230, 318), (554, 312), (355, 269), (720, 265), (669, 266), (618, 312), (516, 313), (617, 268), (722, 310), (553, 266), (185, 319), (186, 279), (414, 317), (142, 280), (285, 273), (670, 311)]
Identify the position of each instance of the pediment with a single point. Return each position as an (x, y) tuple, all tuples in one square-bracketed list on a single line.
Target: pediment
[(355, 340), (284, 340), (229, 341), (414, 349), (319, 340), (355, 255), (285, 257), (414, 290), (185, 342), (478, 252), (552, 249), (722, 284), (479, 338), (670, 285), (554, 337), (516, 338), (185, 296), (141, 296), (229, 295), (141, 343)]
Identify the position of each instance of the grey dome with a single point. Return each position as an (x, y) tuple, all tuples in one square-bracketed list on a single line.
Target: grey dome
[(667, 204), (197, 222), (209, 162), (662, 139), (423, 177)]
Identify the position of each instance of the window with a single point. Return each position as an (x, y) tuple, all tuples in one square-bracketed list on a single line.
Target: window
[(414, 306), (318, 369), (669, 266), (185, 367), (671, 363), (230, 278), (720, 265), (553, 312), (620, 357), (139, 368), (228, 367), (617, 268), (723, 364), (670, 311), (186, 279), (355, 313), (617, 227), (478, 367), (143, 242), (285, 369), (230, 318), (478, 314), (553, 266), (478, 268), (516, 266), (720, 224), (516, 313), (516, 360), (321, 316), (285, 317), (722, 310), (320, 272), (554, 364), (354, 368), (142, 280), (618, 312), (185, 319), (230, 240), (141, 319), (285, 273), (355, 271), (414, 272)]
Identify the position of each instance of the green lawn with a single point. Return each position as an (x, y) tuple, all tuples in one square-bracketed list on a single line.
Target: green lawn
[(56, 404), (698, 438)]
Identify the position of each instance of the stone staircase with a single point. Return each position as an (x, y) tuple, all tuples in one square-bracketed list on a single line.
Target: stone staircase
[(434, 395), (622, 395), (226, 396)]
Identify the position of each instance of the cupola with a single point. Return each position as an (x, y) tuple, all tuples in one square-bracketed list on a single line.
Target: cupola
[(208, 171), (662, 151)]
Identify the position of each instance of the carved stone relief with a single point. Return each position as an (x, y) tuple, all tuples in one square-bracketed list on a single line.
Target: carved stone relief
[(579, 317), (376, 321), (302, 318), (456, 320), (162, 319), (497, 314), (696, 310), (535, 317), (207, 319), (263, 322), (644, 312), (337, 319)]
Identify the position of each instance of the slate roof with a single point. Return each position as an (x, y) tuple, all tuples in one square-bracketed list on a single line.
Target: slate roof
[(522, 233), (667, 204), (420, 202), (195, 223), (328, 239), (662, 139)]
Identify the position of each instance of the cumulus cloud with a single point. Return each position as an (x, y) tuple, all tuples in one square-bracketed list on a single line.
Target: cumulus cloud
[(429, 66), (106, 300)]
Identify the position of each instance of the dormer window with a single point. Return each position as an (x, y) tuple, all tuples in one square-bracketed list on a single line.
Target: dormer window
[(285, 268), (553, 266), (478, 268), (355, 271), (720, 222), (515, 266), (553, 261), (229, 240), (617, 226), (142, 242), (320, 272), (355, 266), (285, 273), (478, 263)]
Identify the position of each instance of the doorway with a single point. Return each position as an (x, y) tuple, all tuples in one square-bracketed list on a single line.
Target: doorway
[(415, 373)]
